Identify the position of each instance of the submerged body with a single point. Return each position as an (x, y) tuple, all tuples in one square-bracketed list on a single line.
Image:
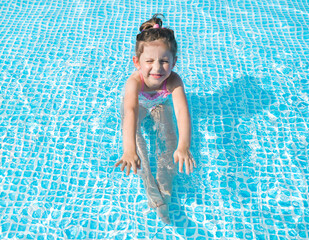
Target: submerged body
[(159, 107)]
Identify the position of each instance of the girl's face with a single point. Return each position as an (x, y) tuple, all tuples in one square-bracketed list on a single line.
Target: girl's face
[(155, 63)]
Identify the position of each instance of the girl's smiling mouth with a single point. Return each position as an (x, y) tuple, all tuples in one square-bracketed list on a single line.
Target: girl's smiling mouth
[(157, 76)]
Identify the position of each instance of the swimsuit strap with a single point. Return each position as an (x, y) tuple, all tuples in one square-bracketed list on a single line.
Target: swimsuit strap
[(142, 78), (164, 85)]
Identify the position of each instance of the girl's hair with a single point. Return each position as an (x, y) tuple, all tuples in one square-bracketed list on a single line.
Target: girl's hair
[(148, 34)]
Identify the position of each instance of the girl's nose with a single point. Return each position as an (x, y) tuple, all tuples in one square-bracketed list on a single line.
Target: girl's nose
[(156, 66)]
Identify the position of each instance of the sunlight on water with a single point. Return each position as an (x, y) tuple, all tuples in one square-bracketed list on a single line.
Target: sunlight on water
[(63, 65)]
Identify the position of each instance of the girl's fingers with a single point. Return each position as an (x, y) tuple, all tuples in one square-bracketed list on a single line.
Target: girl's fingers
[(134, 167), (176, 159), (123, 166), (194, 162), (118, 163), (139, 164), (181, 165), (136, 164), (191, 166), (128, 169), (187, 163)]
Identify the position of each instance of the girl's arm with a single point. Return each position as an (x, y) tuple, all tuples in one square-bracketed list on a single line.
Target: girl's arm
[(182, 153), (130, 107)]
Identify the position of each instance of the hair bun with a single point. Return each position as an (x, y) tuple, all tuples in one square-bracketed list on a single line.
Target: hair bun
[(152, 22), (152, 30)]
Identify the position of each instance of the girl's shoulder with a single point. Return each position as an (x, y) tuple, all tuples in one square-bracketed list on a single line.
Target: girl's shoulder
[(135, 77), (173, 81), (134, 81)]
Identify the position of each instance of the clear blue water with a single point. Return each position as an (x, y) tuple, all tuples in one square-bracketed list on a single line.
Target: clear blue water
[(63, 65)]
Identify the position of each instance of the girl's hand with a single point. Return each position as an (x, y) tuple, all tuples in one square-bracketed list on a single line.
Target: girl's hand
[(129, 160), (184, 156)]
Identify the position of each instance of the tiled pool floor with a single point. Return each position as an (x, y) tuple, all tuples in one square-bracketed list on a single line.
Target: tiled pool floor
[(63, 65)]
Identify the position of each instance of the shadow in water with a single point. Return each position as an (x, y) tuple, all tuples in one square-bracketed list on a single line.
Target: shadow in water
[(220, 119), (219, 145)]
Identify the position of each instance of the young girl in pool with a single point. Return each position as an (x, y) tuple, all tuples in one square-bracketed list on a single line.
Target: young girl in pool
[(147, 92)]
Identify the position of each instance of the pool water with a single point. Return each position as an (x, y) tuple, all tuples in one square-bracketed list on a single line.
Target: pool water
[(63, 65)]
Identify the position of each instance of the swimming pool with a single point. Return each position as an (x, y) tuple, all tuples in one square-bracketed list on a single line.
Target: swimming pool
[(63, 65)]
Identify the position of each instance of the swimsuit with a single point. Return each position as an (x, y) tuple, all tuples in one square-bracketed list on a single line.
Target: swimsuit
[(151, 101)]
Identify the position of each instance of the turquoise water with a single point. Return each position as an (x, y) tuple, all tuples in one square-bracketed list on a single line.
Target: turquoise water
[(63, 65)]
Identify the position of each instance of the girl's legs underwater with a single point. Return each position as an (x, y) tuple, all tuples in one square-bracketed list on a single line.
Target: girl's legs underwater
[(159, 193), (166, 146), (153, 193)]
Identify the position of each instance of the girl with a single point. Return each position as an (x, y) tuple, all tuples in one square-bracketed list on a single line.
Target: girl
[(147, 92)]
